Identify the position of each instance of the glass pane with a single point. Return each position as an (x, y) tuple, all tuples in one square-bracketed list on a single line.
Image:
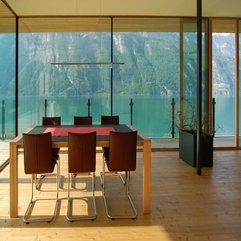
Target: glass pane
[(149, 49), (7, 80), (188, 78), (59, 71), (223, 76)]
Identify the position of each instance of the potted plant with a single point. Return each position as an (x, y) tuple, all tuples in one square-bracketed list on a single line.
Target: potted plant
[(188, 137)]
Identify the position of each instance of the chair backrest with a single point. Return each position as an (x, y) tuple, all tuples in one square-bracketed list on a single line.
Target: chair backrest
[(51, 121), (110, 120), (81, 152), (38, 153), (82, 120), (122, 156)]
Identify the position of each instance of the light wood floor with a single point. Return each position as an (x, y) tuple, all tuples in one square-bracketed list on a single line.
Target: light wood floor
[(185, 207)]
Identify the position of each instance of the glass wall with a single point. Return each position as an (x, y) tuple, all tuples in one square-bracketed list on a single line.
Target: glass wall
[(63, 70), (70, 64), (7, 80), (224, 78), (148, 79), (66, 63), (189, 78)]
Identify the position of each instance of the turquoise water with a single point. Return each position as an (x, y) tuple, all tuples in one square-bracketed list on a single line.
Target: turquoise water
[(151, 114)]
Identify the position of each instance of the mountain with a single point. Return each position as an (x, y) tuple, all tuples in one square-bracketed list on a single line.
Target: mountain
[(151, 64)]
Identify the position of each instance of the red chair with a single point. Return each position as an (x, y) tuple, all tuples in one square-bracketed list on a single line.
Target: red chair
[(49, 121), (108, 120), (80, 120), (38, 159), (81, 159), (121, 158)]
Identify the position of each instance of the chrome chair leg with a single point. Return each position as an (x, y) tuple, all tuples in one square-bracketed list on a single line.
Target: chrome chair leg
[(73, 180), (27, 216), (109, 215), (39, 180), (118, 173), (70, 217)]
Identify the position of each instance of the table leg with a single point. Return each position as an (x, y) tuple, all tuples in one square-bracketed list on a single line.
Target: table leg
[(13, 180), (147, 176)]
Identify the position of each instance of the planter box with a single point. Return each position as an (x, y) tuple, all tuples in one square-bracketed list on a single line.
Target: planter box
[(188, 145)]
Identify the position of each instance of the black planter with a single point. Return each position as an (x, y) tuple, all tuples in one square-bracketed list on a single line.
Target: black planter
[(187, 148)]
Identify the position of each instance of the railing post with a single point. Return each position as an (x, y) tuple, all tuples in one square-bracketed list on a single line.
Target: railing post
[(131, 111), (3, 119), (88, 106), (214, 103), (45, 107), (173, 117)]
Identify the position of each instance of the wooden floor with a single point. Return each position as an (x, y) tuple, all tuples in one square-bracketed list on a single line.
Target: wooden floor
[(185, 207)]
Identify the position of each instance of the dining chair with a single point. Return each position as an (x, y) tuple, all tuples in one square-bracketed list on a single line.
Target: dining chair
[(109, 120), (49, 121), (82, 120), (81, 160), (121, 158), (52, 121), (38, 159)]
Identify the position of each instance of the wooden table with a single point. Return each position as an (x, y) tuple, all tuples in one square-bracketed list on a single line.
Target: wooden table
[(58, 142)]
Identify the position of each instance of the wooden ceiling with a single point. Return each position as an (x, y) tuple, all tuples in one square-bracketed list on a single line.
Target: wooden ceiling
[(93, 15), (211, 8)]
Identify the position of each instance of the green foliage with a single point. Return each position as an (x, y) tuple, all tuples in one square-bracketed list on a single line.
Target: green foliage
[(151, 64)]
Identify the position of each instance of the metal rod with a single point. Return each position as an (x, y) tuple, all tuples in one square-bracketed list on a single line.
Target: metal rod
[(131, 111), (111, 70), (86, 63), (214, 104), (3, 119), (173, 117), (88, 106), (16, 77), (45, 107), (199, 86)]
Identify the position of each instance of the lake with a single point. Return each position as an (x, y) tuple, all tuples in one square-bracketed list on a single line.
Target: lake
[(151, 114)]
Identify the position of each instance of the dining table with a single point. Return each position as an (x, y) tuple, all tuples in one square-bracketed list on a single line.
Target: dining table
[(60, 140)]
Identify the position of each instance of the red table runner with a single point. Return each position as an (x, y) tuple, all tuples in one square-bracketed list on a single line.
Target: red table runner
[(63, 131)]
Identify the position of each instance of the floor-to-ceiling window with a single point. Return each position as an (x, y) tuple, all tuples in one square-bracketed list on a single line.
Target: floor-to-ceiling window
[(63, 69), (148, 79), (188, 77), (66, 63), (7, 79), (54, 79), (224, 79)]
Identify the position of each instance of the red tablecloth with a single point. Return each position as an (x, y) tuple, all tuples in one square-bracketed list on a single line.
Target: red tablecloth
[(63, 131)]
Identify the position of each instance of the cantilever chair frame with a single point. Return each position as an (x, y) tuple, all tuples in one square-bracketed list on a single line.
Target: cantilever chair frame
[(80, 120), (27, 216), (92, 138), (47, 121), (109, 120), (126, 182)]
